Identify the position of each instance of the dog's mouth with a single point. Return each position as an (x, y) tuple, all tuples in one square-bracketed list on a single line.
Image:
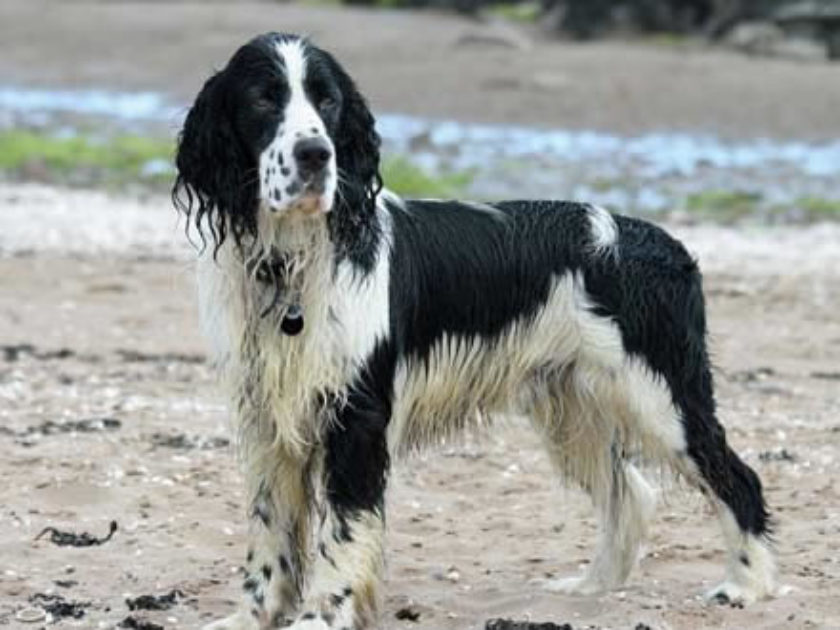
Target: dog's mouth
[(313, 198), (315, 185), (307, 197), (311, 203)]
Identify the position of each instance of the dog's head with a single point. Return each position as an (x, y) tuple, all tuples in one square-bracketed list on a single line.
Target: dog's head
[(281, 130)]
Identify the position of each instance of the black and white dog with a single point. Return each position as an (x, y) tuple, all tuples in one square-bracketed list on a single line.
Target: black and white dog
[(350, 326)]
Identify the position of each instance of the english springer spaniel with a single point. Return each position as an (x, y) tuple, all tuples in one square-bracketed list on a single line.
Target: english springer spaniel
[(350, 326)]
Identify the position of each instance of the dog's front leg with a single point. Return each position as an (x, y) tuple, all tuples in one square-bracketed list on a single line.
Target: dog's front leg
[(279, 500), (346, 574)]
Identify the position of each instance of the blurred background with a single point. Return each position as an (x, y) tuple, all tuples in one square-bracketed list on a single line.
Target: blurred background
[(718, 118), (721, 109)]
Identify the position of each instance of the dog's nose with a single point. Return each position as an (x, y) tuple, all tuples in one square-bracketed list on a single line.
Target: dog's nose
[(312, 155)]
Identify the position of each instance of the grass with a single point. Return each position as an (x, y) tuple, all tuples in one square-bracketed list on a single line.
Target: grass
[(408, 179), (666, 39), (723, 205), (818, 208), (726, 206), (522, 12), (121, 158), (87, 161)]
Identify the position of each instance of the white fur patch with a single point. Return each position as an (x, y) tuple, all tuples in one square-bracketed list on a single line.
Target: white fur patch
[(280, 185), (361, 302), (750, 564), (357, 564), (604, 230)]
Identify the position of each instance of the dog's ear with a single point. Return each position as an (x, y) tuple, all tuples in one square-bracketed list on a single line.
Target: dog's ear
[(357, 148), (212, 185)]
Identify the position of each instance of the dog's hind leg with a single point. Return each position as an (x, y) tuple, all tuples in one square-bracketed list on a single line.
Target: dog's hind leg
[(735, 493), (625, 509), (679, 428), (582, 445)]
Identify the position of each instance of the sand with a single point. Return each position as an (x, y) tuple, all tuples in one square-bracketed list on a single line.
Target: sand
[(93, 326), (98, 322)]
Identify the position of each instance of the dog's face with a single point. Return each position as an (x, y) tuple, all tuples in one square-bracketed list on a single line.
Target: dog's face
[(287, 103), (281, 130)]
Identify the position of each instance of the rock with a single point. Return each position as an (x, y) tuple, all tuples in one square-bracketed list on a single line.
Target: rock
[(496, 36), (408, 613), (755, 38), (800, 49), (778, 455), (815, 21), (768, 39), (822, 11)]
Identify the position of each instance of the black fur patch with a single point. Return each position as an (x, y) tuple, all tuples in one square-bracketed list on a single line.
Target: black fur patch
[(357, 459)]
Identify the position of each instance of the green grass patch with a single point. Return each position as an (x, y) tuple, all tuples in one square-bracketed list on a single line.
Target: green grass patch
[(321, 3), (666, 39), (408, 179), (522, 12), (89, 161), (724, 205), (604, 184), (120, 158), (819, 208)]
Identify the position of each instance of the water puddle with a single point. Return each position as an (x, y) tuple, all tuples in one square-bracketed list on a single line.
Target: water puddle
[(107, 103)]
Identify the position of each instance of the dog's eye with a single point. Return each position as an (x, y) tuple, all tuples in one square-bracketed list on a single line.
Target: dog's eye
[(265, 103), (327, 103)]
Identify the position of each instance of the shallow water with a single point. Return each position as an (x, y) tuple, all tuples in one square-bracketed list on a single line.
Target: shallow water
[(108, 103), (646, 172)]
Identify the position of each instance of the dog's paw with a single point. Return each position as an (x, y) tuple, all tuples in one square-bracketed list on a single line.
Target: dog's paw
[(731, 594), (577, 585), (239, 621), (310, 621)]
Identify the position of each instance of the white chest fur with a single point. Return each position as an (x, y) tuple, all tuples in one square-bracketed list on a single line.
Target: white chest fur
[(275, 380)]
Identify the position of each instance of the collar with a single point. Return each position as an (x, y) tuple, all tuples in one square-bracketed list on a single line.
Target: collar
[(273, 271)]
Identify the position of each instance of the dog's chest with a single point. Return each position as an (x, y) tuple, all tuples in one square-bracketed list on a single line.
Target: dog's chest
[(359, 314)]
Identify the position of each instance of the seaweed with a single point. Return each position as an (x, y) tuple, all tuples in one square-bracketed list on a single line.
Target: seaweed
[(71, 539)]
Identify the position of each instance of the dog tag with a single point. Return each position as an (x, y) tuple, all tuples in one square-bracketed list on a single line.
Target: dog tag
[(292, 323)]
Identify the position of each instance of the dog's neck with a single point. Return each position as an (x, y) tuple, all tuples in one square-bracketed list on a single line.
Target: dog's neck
[(290, 264)]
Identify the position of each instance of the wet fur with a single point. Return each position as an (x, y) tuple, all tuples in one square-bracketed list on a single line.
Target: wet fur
[(421, 316)]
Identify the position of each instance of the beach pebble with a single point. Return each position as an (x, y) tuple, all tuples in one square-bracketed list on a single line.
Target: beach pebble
[(31, 615)]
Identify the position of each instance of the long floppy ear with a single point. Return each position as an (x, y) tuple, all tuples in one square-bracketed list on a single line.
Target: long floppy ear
[(358, 144), (353, 221), (215, 184)]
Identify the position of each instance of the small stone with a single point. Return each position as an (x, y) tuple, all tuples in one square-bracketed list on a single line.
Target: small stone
[(31, 615)]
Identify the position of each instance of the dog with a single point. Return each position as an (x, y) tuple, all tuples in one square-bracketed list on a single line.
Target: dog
[(350, 326)]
